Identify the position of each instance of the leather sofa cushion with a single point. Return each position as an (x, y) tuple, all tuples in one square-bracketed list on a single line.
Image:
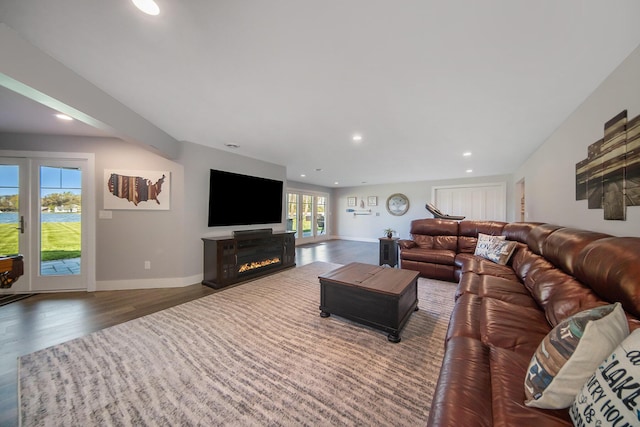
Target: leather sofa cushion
[(472, 228), (521, 261), (518, 231), (424, 241), (611, 268), (407, 244), (469, 371), (484, 266), (561, 296), (479, 265), (466, 262), (469, 283), (543, 271), (537, 236), (434, 227), (563, 246), (465, 317), (463, 397), (506, 290), (438, 256), (538, 266), (430, 269), (510, 326), (508, 370)]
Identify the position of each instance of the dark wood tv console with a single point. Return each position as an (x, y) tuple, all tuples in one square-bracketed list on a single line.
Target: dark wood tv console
[(246, 255)]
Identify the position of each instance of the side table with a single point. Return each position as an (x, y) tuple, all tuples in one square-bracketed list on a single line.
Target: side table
[(389, 251)]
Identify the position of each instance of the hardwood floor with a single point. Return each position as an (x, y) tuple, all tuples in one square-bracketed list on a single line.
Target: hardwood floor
[(44, 320)]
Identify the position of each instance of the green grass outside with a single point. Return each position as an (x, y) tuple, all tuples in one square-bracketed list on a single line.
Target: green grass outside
[(60, 240)]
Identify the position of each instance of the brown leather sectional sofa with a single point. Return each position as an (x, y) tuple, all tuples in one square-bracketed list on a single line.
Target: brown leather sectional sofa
[(502, 312)]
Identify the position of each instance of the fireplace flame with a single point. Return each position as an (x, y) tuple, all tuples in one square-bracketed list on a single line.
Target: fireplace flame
[(258, 264)]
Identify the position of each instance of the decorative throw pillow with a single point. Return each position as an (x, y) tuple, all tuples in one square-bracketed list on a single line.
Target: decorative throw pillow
[(485, 244), (570, 353), (501, 251), (611, 396)]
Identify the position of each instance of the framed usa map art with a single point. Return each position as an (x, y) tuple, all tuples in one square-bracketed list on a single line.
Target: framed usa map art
[(137, 190)]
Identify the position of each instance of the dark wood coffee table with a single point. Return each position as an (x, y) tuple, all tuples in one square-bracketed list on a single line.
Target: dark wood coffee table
[(379, 297)]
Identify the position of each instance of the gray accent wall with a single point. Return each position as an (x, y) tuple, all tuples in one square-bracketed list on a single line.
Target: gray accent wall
[(549, 173), (171, 239), (198, 161)]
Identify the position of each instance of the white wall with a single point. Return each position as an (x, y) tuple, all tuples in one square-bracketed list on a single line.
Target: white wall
[(370, 227), (550, 172)]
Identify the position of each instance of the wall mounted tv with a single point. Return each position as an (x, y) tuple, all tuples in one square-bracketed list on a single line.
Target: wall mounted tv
[(236, 199)]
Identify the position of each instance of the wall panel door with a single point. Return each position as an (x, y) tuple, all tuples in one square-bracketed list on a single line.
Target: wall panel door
[(477, 202)]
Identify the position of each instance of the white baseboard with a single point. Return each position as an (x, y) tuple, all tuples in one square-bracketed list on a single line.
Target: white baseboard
[(171, 282), (359, 239)]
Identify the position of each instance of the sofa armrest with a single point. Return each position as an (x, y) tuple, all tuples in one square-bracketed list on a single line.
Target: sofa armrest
[(407, 244)]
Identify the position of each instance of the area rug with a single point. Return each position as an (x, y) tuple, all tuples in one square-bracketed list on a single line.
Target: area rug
[(255, 354)]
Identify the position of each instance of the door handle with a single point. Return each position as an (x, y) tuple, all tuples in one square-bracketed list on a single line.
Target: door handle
[(21, 228)]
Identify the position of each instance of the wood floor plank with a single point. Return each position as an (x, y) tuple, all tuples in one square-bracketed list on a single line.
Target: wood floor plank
[(44, 320)]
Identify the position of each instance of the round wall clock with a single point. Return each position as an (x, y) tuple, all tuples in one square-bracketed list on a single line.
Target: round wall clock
[(398, 204)]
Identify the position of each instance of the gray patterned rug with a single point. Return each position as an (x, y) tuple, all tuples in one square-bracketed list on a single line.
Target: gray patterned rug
[(255, 354)]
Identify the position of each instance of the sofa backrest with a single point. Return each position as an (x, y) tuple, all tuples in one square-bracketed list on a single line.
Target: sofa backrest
[(433, 233), (568, 270), (468, 233), (538, 235), (519, 231), (563, 246), (611, 267)]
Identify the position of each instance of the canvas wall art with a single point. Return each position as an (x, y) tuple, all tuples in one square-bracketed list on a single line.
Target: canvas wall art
[(609, 178)]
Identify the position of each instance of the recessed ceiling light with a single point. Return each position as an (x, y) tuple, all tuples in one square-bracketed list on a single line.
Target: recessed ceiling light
[(469, 170), (231, 145), (357, 137), (147, 6), (63, 117), (336, 183), (466, 153), (302, 175)]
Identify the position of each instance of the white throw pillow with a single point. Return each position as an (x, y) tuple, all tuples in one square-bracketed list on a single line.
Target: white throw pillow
[(611, 396), (486, 244), (501, 251), (570, 353)]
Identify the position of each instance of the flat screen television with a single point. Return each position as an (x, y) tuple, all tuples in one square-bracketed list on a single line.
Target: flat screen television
[(236, 199)]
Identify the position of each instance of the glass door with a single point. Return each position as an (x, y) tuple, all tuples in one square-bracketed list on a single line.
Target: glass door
[(43, 219), (292, 213), (307, 215), (14, 235)]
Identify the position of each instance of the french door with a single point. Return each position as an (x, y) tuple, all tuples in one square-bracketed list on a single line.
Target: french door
[(45, 216), (307, 215)]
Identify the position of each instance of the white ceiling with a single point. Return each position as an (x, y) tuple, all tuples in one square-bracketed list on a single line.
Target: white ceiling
[(291, 81)]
